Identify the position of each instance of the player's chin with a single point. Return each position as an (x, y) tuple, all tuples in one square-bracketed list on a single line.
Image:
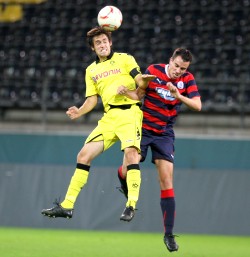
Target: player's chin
[(176, 76), (104, 53)]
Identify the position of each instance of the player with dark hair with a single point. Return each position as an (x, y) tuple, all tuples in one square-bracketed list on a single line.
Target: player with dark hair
[(163, 97), (122, 120)]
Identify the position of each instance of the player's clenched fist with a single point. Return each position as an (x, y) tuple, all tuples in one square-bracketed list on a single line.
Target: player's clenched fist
[(73, 112), (173, 90)]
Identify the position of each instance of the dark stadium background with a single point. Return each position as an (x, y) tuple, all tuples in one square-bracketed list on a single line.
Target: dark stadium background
[(43, 55)]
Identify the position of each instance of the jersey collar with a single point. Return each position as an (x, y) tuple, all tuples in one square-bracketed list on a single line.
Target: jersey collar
[(166, 70), (108, 58)]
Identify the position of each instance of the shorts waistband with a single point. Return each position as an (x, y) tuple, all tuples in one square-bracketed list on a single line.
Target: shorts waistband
[(124, 106)]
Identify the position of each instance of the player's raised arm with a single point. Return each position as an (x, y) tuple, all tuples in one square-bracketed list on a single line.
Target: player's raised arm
[(192, 103), (88, 105), (142, 80)]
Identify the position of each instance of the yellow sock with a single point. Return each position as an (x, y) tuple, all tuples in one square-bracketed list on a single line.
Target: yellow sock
[(133, 182), (78, 180)]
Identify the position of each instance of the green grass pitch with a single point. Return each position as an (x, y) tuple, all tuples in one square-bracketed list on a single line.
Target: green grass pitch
[(24, 242)]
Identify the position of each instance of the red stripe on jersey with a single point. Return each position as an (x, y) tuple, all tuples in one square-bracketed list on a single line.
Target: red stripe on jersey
[(153, 129), (153, 108), (154, 119), (191, 89)]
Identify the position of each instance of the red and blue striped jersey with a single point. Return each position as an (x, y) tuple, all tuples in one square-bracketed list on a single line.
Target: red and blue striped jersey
[(160, 108)]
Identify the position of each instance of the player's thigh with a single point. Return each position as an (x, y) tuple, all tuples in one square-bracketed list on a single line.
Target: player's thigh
[(104, 132), (145, 144), (90, 151), (163, 148)]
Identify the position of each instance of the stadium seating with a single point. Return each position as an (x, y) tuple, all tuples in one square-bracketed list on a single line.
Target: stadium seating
[(43, 56)]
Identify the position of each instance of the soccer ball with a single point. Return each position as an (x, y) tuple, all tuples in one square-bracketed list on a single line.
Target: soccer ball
[(110, 18)]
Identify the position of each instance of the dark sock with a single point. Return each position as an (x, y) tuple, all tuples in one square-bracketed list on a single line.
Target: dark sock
[(168, 210), (122, 180)]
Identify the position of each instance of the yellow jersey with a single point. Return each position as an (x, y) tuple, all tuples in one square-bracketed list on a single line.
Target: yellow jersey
[(104, 78)]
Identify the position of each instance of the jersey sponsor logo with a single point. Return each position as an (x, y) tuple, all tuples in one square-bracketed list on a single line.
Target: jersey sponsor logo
[(164, 93), (180, 85), (106, 74)]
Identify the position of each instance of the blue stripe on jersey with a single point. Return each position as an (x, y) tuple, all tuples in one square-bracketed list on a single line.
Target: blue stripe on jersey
[(163, 120)]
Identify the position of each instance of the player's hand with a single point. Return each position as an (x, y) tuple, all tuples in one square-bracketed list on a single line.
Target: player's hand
[(73, 112), (148, 77), (122, 90), (173, 90), (144, 80)]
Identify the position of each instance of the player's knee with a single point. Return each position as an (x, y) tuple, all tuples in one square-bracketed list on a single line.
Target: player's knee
[(131, 155), (166, 183), (83, 158)]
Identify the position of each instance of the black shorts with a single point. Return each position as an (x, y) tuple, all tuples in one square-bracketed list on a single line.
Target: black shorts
[(162, 145)]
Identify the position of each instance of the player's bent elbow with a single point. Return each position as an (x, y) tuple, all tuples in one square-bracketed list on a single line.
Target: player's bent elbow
[(198, 108), (197, 104)]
